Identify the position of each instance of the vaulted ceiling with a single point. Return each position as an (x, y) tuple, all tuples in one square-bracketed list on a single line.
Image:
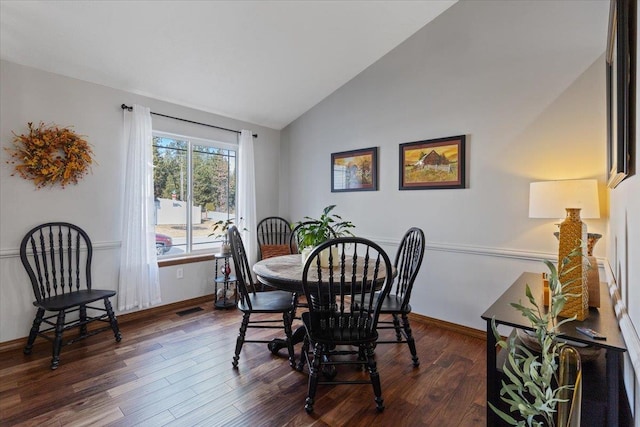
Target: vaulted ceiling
[(265, 62)]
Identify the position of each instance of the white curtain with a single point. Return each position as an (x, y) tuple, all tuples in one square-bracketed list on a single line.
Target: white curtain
[(246, 196), (139, 284)]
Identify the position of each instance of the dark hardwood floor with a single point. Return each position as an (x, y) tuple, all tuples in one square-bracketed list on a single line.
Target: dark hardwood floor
[(176, 370)]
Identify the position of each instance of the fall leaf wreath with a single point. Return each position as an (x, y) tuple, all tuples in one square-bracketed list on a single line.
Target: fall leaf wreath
[(50, 155)]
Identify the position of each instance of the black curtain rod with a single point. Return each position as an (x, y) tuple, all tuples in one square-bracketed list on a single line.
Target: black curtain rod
[(126, 107)]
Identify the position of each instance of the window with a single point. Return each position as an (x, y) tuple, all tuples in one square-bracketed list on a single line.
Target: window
[(194, 186)]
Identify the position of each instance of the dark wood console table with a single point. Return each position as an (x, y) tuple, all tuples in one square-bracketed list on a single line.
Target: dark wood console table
[(601, 319)]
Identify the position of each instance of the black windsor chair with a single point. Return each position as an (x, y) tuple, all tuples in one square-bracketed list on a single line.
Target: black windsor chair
[(342, 311), (273, 237), (295, 238), (407, 262), (57, 257), (251, 302)]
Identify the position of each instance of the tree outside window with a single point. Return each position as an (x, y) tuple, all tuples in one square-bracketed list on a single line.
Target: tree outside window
[(183, 167)]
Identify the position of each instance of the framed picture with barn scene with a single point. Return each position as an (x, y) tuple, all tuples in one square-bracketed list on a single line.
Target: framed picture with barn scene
[(355, 170), (431, 164)]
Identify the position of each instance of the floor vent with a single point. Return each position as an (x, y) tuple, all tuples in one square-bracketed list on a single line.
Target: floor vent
[(189, 311)]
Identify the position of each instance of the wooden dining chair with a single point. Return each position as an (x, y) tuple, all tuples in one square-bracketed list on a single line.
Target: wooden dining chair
[(396, 305), (342, 311), (252, 302), (57, 257), (295, 238), (273, 235)]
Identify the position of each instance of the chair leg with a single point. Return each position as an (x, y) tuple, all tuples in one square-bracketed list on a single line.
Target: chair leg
[(314, 370), (35, 328), (410, 340), (304, 353), (375, 377), (240, 339), (113, 321), (287, 318), (362, 357), (83, 320), (57, 341), (397, 327)]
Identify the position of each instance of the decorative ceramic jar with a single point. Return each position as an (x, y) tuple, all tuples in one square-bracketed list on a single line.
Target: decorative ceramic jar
[(573, 234)]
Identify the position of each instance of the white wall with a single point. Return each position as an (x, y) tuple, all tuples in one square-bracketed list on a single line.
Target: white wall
[(30, 95), (525, 82), (623, 255)]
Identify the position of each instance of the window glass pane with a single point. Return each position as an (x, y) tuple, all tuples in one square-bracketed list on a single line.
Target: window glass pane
[(214, 185), (211, 174), (170, 194)]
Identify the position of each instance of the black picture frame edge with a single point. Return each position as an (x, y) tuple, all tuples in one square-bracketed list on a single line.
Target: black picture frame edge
[(461, 167), (621, 80), (374, 168)]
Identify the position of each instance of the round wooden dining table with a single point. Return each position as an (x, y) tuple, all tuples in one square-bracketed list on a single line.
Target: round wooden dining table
[(281, 272), (285, 273)]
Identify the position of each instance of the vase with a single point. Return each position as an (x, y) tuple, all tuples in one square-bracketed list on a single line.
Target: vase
[(570, 398), (593, 273), (324, 256), (573, 235), (304, 253), (225, 249)]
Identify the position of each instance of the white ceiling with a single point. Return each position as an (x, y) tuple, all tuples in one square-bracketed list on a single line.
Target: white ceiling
[(265, 62)]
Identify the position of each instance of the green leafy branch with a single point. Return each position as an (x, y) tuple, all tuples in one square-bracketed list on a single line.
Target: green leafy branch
[(531, 389), (220, 228)]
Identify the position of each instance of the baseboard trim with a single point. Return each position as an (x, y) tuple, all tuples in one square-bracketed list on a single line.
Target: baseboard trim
[(454, 327), (19, 343), (162, 309)]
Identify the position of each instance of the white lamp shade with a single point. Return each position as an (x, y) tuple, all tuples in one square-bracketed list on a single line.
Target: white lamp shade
[(550, 199)]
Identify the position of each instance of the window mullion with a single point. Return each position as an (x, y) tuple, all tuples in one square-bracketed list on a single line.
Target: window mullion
[(189, 225)]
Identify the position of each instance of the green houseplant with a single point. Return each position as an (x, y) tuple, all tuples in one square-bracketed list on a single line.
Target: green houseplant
[(531, 386), (220, 230), (312, 232)]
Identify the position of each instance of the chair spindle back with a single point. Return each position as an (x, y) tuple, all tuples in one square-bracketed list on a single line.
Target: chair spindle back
[(57, 258), (341, 296), (245, 283), (408, 261), (272, 231)]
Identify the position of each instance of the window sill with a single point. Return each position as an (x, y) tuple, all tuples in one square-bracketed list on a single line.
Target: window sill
[(189, 259)]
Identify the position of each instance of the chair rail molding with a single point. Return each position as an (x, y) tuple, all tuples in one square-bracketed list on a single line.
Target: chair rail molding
[(480, 250), (99, 246)]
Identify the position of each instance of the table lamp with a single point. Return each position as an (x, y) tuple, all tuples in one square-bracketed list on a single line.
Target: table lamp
[(579, 199)]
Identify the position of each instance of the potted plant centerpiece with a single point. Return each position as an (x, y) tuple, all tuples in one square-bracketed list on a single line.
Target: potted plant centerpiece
[(312, 232)]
